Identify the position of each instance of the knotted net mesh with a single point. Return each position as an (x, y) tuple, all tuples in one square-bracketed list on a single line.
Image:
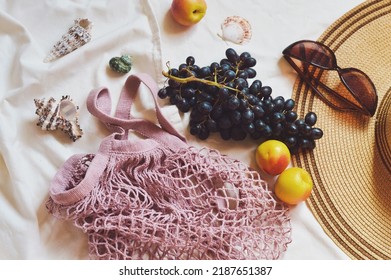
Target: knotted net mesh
[(188, 204)]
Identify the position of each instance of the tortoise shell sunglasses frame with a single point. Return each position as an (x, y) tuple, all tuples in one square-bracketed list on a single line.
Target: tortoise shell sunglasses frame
[(363, 96)]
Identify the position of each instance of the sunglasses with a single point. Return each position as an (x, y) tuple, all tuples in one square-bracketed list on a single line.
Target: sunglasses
[(310, 59)]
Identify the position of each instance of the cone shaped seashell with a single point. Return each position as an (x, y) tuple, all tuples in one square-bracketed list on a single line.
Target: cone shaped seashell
[(77, 36), (236, 30), (61, 115)]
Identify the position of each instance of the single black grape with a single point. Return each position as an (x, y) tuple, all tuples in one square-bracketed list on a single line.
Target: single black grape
[(266, 91), (174, 72), (291, 129), (258, 111), (251, 99), (204, 107), (211, 90), (289, 104), (304, 143), (244, 55), (250, 62), (240, 83), (233, 103), (195, 129), (243, 105), (260, 125), (310, 118), (299, 123), (242, 74), (183, 105), (316, 133), (247, 116), (290, 116), (229, 75), (268, 106), (203, 134), (224, 67), (305, 129), (251, 73), (187, 92), (277, 117), (277, 129), (182, 66), (279, 104), (231, 55), (214, 66), (190, 60), (290, 141), (244, 91), (195, 68), (162, 93), (205, 72), (255, 87), (249, 128), (267, 132)]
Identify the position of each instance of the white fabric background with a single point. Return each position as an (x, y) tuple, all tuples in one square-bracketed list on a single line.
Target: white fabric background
[(29, 157)]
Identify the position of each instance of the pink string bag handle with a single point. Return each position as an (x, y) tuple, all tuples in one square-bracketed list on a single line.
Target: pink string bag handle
[(160, 198), (99, 105)]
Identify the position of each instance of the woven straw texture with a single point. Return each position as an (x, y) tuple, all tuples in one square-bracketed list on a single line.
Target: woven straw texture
[(351, 165)]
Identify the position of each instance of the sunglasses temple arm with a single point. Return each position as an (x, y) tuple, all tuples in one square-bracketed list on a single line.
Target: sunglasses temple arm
[(309, 79)]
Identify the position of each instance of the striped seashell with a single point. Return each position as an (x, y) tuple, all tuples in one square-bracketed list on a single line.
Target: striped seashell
[(61, 115), (77, 36), (236, 30), (121, 64)]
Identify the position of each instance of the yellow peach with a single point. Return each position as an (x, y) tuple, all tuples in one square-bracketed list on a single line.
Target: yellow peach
[(294, 185)]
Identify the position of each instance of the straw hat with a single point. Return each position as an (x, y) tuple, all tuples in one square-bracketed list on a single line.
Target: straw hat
[(351, 165)]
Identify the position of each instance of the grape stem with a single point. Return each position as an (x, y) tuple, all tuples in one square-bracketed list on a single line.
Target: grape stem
[(195, 79)]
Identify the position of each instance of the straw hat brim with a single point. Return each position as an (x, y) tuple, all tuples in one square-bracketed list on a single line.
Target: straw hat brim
[(351, 165)]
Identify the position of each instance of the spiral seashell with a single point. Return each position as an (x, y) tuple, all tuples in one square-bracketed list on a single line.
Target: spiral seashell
[(236, 30), (121, 64), (61, 115), (77, 36)]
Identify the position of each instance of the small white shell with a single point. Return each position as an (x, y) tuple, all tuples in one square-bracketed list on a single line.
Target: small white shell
[(236, 30), (61, 115), (77, 36)]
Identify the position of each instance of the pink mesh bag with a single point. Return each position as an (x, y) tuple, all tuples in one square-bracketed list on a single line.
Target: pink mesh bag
[(160, 198)]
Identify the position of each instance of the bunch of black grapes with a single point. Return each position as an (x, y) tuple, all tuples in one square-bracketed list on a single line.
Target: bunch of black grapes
[(222, 100)]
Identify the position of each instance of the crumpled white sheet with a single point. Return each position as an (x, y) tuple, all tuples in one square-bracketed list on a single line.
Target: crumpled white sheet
[(29, 156)]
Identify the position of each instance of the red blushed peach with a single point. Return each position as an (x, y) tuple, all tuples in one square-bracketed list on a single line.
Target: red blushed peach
[(273, 157), (188, 12)]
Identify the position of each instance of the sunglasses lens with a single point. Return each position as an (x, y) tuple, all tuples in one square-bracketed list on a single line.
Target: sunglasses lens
[(313, 53), (361, 87)]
